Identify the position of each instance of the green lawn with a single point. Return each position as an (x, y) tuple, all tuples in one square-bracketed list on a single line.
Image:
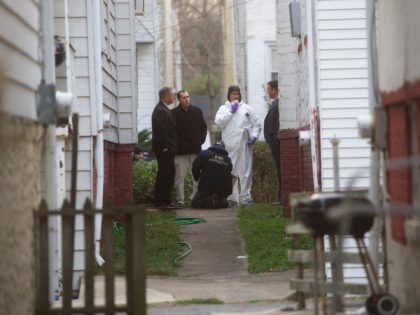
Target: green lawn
[(266, 243), (162, 235)]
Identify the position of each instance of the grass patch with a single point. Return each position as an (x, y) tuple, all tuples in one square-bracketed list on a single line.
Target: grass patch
[(266, 243), (162, 235), (199, 301)]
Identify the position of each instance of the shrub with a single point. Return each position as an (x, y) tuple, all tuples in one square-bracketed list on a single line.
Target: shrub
[(144, 175), (264, 174)]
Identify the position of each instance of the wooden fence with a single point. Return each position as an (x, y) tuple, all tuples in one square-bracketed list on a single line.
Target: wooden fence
[(134, 257)]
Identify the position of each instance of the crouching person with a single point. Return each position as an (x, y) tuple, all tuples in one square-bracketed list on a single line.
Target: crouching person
[(212, 169)]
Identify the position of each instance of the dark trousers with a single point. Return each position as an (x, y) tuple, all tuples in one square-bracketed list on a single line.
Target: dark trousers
[(207, 200), (275, 152), (165, 178)]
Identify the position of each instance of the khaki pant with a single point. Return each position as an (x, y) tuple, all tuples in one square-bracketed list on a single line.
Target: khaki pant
[(183, 163)]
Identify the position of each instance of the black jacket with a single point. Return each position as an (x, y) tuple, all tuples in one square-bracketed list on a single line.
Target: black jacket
[(212, 169), (163, 130), (271, 123), (191, 129)]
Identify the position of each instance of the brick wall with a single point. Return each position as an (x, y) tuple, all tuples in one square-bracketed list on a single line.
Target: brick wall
[(296, 166), (399, 147), (399, 180), (118, 184)]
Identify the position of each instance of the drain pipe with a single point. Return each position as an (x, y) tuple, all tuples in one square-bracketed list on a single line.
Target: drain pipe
[(50, 150), (99, 154), (374, 186), (312, 91)]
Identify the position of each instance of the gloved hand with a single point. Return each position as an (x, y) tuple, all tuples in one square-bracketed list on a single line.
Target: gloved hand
[(252, 140), (234, 106)]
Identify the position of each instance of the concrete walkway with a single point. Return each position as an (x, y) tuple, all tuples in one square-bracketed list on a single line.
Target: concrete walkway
[(216, 268)]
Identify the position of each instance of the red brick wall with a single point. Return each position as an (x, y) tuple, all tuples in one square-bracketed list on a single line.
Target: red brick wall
[(399, 147), (399, 180), (296, 166), (118, 184), (123, 178)]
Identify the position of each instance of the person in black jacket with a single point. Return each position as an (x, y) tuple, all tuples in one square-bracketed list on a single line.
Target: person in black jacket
[(164, 147), (212, 169), (271, 128), (191, 133)]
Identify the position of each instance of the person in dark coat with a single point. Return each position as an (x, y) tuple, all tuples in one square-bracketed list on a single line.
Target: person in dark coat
[(271, 128), (191, 133), (164, 147), (212, 169)]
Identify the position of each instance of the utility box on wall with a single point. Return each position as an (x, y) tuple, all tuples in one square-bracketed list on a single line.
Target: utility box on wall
[(294, 11)]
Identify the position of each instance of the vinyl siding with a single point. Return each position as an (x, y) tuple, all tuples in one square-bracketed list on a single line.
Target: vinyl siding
[(343, 96), (127, 72), (343, 89), (19, 44), (147, 84), (109, 67)]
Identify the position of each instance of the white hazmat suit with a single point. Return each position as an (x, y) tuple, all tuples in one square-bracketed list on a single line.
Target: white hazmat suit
[(237, 129)]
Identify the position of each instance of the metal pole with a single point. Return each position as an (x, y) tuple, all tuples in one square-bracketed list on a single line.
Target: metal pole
[(375, 154), (49, 151), (335, 142)]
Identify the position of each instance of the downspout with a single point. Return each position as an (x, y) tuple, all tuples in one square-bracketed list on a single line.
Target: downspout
[(99, 154), (50, 152), (374, 102), (312, 91)]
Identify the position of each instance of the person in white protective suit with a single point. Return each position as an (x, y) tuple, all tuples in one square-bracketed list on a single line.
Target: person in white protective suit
[(240, 129)]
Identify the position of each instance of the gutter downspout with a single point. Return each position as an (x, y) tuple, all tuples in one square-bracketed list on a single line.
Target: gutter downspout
[(50, 151), (99, 154), (312, 91), (374, 102)]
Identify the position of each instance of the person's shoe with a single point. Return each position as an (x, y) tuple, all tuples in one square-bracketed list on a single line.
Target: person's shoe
[(277, 203), (245, 203), (164, 206), (179, 205), (232, 203), (214, 199)]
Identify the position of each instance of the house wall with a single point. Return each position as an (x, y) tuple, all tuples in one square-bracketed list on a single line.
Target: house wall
[(109, 68), (287, 67), (261, 35), (147, 64), (20, 155), (399, 80), (240, 16), (343, 90), (127, 72), (22, 73)]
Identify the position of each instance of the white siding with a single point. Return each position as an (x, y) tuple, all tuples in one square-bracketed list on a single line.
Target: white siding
[(19, 44), (148, 94), (109, 44), (79, 79), (147, 64), (343, 89), (343, 96), (260, 31), (127, 72)]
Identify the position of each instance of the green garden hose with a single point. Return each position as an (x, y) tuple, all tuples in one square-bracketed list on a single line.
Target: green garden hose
[(188, 221), (119, 229)]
